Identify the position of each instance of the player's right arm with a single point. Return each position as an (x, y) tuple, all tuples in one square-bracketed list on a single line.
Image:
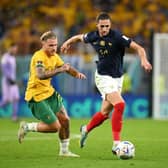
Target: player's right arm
[(45, 74), (67, 44)]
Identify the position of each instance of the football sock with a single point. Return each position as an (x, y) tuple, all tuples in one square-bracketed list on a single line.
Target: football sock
[(96, 120), (15, 110), (117, 120), (31, 127), (115, 143), (64, 145)]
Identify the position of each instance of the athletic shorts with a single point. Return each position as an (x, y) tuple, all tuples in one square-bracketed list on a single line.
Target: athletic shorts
[(107, 84), (46, 110)]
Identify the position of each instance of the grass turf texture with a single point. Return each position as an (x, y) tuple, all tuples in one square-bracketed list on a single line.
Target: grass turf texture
[(39, 150)]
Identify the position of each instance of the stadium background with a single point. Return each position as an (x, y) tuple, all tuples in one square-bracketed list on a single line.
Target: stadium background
[(24, 21)]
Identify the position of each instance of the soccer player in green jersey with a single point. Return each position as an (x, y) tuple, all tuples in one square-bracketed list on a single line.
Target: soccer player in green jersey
[(44, 101)]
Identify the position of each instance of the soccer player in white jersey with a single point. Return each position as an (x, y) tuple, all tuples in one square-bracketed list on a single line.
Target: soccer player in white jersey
[(10, 89)]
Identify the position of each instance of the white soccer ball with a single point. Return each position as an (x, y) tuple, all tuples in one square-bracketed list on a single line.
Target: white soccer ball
[(125, 150)]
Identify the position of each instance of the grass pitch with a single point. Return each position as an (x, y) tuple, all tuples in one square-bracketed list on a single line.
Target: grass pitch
[(38, 150)]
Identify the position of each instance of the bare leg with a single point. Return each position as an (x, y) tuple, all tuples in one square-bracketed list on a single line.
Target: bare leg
[(106, 107), (64, 133), (64, 121), (43, 127), (37, 127), (114, 98)]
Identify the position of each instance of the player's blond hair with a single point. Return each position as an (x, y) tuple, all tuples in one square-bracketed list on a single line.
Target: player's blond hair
[(48, 35)]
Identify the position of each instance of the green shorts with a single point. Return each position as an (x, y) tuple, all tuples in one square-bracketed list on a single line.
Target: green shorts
[(46, 110)]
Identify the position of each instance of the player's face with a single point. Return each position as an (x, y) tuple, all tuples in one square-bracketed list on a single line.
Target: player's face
[(103, 27), (50, 46), (13, 50)]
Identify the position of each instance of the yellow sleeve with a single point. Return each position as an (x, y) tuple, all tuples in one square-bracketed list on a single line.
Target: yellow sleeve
[(38, 59), (59, 61)]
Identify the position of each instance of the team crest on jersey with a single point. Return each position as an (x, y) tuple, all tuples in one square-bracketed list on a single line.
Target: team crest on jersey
[(102, 43), (39, 64), (94, 43)]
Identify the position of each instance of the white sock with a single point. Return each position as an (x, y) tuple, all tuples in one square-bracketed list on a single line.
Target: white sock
[(115, 143), (32, 126), (64, 145)]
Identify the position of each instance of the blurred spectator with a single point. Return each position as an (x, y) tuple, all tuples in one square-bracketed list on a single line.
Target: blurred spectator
[(2, 28), (59, 28), (73, 17)]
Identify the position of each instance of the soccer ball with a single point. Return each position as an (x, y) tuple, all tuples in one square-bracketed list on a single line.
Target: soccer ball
[(125, 150)]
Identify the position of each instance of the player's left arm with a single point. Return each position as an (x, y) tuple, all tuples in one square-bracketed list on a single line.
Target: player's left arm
[(142, 54), (75, 73)]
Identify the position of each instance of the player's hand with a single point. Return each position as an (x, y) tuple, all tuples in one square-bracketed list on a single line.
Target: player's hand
[(65, 47), (80, 76), (146, 65), (65, 67), (11, 82)]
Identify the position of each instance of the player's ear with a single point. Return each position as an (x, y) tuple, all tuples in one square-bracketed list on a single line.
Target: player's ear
[(110, 24), (43, 42)]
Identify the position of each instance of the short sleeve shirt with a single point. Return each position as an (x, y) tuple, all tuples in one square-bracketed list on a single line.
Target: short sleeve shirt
[(110, 50), (36, 88)]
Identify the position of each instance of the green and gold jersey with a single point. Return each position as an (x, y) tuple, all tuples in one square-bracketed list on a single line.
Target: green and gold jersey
[(36, 88)]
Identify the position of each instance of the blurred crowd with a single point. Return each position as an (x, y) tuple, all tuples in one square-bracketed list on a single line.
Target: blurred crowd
[(23, 21)]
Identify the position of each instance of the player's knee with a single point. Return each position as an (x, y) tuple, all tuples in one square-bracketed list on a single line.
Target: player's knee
[(65, 123), (56, 126), (64, 120)]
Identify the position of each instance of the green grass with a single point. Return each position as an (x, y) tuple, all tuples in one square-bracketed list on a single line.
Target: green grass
[(150, 138)]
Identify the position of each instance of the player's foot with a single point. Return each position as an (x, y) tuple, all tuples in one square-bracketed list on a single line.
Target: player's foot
[(68, 154), (84, 134), (114, 149), (22, 131)]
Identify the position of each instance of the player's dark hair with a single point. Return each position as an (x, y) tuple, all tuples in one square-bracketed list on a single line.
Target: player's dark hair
[(103, 16), (48, 35), (12, 44)]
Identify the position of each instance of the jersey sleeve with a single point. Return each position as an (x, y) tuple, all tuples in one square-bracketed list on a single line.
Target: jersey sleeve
[(89, 37), (123, 40), (39, 60)]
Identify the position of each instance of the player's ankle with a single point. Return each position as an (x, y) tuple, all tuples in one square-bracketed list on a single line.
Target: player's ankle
[(31, 127)]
